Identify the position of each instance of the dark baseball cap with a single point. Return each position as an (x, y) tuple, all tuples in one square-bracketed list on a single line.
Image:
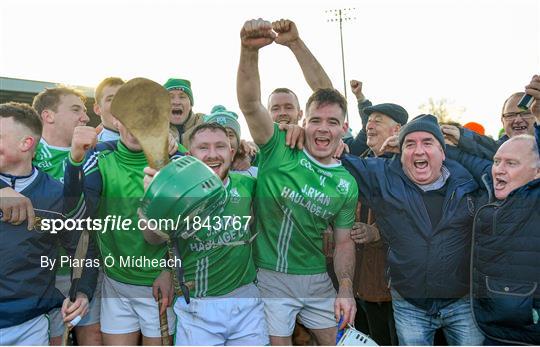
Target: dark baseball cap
[(396, 112)]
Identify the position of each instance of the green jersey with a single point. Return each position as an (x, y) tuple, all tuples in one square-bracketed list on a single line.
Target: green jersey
[(296, 199), (113, 174), (51, 159), (218, 257)]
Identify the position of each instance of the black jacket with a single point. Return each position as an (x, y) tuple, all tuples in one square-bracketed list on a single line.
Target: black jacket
[(483, 146), (505, 259)]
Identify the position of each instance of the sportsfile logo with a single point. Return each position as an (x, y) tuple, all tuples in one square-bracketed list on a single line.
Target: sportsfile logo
[(109, 223)]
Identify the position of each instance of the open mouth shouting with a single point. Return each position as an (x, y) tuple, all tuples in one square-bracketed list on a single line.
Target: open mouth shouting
[(177, 112), (420, 164), (284, 119), (215, 166), (322, 142), (500, 184)]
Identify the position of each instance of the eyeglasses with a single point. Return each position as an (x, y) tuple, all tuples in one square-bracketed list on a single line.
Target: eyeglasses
[(510, 116)]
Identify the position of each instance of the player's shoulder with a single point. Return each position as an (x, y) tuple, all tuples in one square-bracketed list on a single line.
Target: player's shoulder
[(100, 151), (106, 146), (244, 181)]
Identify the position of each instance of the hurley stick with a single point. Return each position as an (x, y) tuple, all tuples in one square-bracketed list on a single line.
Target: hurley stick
[(80, 255), (144, 108)]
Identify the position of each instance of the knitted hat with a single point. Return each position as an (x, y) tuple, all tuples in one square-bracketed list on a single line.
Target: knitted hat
[(423, 122), (476, 127), (180, 84), (396, 112), (222, 116)]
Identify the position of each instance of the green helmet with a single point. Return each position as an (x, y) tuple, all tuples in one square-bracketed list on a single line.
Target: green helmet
[(186, 187)]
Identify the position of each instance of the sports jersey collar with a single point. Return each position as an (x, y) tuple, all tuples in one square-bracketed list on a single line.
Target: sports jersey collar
[(19, 183), (327, 166), (44, 143), (128, 156)]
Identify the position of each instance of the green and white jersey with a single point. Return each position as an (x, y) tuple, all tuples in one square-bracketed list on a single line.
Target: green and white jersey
[(51, 159), (296, 199), (218, 257), (115, 175)]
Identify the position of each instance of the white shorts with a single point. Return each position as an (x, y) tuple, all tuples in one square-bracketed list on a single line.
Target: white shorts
[(285, 296), (30, 333), (63, 283), (127, 308), (233, 319)]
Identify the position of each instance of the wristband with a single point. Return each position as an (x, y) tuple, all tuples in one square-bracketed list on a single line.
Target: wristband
[(75, 321)]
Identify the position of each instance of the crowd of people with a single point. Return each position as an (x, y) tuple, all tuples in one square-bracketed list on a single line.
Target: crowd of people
[(409, 229)]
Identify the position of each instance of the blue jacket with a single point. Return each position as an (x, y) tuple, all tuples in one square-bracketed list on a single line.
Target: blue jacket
[(483, 146), (26, 288), (505, 259), (425, 261), (358, 145)]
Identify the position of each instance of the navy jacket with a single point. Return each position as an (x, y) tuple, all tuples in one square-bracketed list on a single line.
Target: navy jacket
[(358, 145), (483, 146), (425, 261), (506, 259), (26, 288)]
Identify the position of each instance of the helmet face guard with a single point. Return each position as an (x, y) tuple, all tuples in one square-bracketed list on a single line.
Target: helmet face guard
[(186, 187)]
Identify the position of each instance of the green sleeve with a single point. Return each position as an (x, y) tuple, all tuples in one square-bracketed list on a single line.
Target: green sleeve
[(345, 218), (274, 150)]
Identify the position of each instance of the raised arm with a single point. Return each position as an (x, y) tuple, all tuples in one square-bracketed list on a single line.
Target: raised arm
[(254, 35), (475, 165), (470, 142), (82, 180), (358, 145), (313, 72)]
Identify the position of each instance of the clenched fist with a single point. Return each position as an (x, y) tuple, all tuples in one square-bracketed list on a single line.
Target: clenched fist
[(84, 138), (256, 34), (356, 87), (286, 30)]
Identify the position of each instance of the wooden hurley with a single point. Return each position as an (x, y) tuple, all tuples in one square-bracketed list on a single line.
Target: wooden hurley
[(144, 108), (80, 255)]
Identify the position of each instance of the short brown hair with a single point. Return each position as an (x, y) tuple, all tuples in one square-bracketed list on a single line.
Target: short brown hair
[(109, 81), (50, 98), (22, 114), (327, 96), (285, 91), (204, 126)]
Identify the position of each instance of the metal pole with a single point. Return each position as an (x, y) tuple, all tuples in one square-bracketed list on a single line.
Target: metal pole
[(342, 55)]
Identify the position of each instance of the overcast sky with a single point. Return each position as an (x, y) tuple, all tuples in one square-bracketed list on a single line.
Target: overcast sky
[(473, 53)]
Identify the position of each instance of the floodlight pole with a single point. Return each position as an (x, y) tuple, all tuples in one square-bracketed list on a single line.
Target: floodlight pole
[(341, 16)]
